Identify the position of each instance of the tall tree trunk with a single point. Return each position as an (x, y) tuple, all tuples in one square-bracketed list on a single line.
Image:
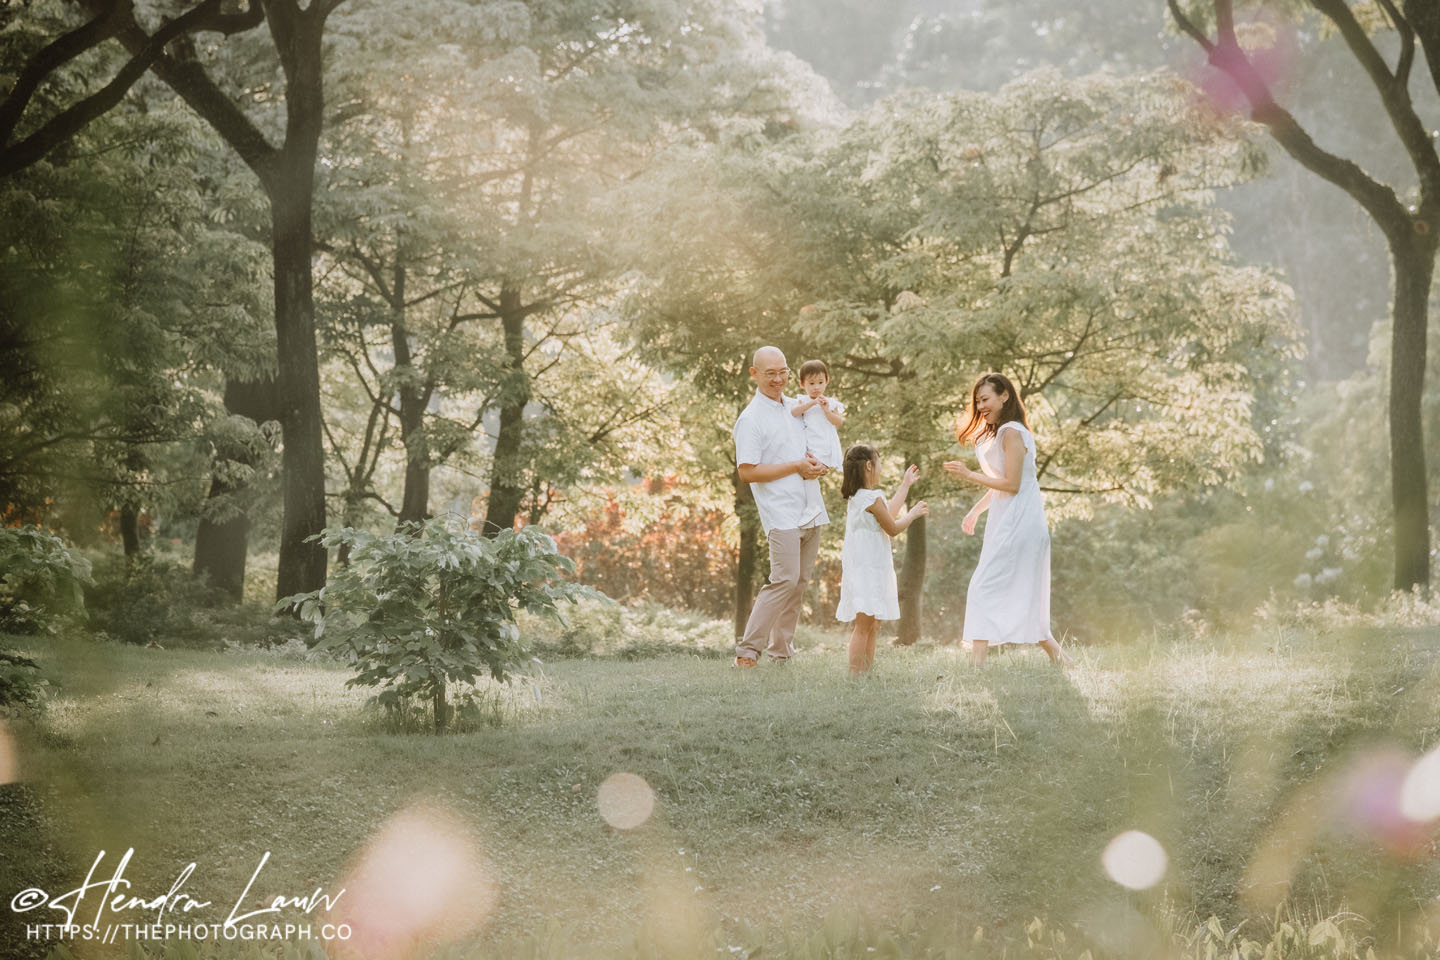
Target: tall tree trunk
[(415, 505), (912, 583), (130, 531), (302, 564), (1414, 264), (222, 540), (508, 469), (749, 553)]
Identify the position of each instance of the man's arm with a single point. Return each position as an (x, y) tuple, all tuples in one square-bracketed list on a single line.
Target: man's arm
[(809, 469)]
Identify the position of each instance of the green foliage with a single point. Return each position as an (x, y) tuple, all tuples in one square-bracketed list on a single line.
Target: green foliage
[(154, 600), (426, 608), (598, 627), (41, 579)]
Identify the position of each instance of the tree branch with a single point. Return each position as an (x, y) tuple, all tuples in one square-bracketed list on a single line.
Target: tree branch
[(1378, 199), (117, 20), (184, 74)]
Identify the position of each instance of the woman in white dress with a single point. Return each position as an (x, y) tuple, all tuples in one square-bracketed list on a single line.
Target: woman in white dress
[(1009, 597), (867, 571)]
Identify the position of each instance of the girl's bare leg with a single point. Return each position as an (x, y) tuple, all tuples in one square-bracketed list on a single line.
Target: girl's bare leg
[(862, 644), (978, 650), (1057, 656)]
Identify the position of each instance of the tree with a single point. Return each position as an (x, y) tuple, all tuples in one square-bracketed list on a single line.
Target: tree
[(1060, 231), (469, 222), (1410, 228), (287, 175), (121, 300)]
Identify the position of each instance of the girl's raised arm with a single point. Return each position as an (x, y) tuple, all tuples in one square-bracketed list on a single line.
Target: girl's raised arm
[(897, 502), (892, 525)]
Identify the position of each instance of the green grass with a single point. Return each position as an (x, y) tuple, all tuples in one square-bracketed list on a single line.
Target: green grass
[(796, 809)]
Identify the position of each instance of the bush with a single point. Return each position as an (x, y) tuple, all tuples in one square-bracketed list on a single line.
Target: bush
[(42, 580), (599, 627), (658, 546), (147, 599), (419, 613)]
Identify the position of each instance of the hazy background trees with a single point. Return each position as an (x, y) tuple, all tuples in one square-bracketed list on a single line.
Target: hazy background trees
[(546, 237)]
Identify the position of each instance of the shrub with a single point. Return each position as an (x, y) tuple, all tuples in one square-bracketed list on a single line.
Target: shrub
[(420, 612), (150, 599), (41, 579), (656, 546)]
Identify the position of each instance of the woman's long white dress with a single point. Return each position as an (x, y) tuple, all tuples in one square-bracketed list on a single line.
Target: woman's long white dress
[(867, 570), (1009, 596)]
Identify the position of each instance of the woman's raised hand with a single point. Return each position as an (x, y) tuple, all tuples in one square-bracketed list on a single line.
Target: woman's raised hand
[(912, 473), (958, 468)]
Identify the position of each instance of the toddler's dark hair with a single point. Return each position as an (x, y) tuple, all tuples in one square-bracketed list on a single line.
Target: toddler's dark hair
[(811, 367), (855, 459)]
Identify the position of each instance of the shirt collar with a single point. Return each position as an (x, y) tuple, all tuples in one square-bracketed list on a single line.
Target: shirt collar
[(782, 403)]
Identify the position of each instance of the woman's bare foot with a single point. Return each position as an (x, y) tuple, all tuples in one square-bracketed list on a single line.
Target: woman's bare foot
[(1057, 656)]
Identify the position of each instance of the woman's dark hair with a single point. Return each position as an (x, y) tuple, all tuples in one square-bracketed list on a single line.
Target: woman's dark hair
[(811, 367), (974, 426), (855, 459)]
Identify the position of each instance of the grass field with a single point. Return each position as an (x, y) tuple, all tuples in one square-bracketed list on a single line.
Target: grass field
[(796, 812)]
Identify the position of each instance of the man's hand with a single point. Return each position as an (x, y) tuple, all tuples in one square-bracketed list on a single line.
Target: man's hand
[(810, 468)]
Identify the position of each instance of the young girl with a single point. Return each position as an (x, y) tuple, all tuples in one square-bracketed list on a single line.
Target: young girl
[(867, 578), (1009, 597)]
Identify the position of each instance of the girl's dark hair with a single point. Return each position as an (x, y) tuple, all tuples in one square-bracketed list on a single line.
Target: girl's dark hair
[(974, 426), (811, 367), (855, 459)]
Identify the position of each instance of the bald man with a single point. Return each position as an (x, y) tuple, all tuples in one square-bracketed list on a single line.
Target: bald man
[(770, 452)]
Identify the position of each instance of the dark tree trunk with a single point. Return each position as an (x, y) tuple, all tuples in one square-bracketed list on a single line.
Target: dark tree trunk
[(302, 564), (1414, 264), (912, 583), (749, 553), (221, 544), (507, 473), (415, 506), (441, 710), (130, 531)]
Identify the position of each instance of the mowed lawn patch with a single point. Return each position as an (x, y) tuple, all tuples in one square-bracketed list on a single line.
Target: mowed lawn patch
[(783, 797)]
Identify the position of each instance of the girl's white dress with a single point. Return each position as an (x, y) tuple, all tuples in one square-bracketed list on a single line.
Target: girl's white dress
[(1009, 597), (867, 572)]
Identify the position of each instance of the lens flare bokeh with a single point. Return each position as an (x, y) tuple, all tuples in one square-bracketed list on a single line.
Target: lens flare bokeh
[(1134, 859), (625, 800), (420, 882)]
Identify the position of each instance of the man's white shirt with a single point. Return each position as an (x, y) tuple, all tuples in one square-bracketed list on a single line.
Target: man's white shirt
[(767, 432)]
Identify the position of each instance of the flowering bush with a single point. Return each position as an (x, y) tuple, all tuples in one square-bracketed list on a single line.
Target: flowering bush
[(661, 548)]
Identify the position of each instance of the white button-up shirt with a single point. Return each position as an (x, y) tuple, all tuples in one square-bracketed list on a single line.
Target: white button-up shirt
[(767, 432)]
